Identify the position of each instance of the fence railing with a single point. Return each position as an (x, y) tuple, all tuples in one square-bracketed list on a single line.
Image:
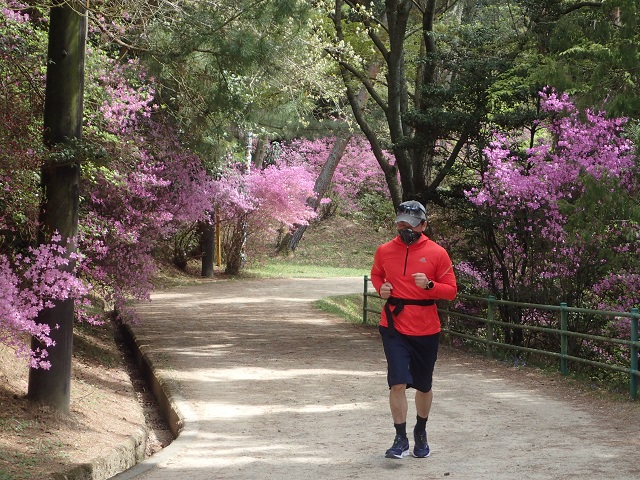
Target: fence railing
[(487, 337)]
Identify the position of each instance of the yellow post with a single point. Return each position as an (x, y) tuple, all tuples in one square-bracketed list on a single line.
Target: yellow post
[(218, 245)]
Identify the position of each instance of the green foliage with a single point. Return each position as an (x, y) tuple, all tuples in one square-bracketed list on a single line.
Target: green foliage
[(22, 67), (591, 52), (376, 211), (20, 203), (606, 219), (240, 67), (75, 151)]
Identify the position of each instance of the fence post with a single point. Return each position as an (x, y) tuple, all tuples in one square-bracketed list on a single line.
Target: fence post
[(364, 299), (633, 379), (490, 314), (564, 347)]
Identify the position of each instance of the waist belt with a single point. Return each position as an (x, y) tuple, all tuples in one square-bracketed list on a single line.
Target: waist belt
[(399, 304)]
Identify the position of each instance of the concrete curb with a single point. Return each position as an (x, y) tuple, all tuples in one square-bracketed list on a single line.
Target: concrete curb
[(166, 403), (122, 457), (172, 407), (132, 452)]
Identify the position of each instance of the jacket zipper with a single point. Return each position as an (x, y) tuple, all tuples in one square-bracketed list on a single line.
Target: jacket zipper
[(406, 260)]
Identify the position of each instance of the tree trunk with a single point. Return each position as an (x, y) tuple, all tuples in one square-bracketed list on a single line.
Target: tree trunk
[(368, 87), (414, 144), (60, 189), (234, 247), (260, 152), (322, 183), (207, 237), (398, 12)]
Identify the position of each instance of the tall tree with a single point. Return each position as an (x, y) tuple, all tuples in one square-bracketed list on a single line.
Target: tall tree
[(60, 177), (434, 99)]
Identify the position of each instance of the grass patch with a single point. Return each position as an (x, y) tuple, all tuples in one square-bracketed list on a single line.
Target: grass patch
[(348, 307), (276, 269), (337, 247)]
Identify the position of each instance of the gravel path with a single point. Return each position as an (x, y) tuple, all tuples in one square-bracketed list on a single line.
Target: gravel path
[(270, 388)]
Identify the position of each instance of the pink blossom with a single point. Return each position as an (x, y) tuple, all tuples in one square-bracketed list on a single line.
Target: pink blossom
[(532, 202)]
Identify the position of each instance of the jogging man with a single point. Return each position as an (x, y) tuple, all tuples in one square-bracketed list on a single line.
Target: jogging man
[(411, 272)]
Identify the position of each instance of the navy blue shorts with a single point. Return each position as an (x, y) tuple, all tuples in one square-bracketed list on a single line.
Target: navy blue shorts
[(410, 359)]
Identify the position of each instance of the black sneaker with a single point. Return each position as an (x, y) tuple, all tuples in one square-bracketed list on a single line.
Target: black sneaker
[(421, 447), (399, 449)]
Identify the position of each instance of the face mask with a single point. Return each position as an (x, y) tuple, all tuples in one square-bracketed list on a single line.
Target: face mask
[(408, 236)]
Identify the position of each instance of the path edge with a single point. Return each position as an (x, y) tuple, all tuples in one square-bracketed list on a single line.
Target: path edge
[(131, 453), (167, 405)]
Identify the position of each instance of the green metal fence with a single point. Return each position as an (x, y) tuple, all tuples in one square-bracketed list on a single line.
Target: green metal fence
[(488, 339)]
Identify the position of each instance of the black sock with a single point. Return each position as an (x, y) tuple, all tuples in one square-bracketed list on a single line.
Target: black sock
[(401, 429), (421, 423)]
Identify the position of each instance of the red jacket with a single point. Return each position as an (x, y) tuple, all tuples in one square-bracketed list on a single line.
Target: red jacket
[(394, 262)]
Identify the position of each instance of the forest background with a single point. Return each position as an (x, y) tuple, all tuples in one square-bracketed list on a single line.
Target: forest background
[(515, 122)]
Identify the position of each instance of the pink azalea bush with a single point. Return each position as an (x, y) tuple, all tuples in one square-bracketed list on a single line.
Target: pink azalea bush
[(130, 208), (259, 205), (357, 174), (32, 283), (255, 205), (150, 187), (138, 186), (559, 222)]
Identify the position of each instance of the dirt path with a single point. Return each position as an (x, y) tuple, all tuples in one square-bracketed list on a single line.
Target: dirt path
[(272, 389)]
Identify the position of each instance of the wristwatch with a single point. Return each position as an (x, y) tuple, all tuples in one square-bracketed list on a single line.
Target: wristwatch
[(430, 285)]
